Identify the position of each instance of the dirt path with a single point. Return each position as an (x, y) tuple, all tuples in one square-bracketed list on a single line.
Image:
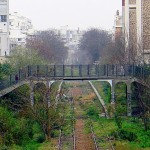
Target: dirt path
[(83, 141)]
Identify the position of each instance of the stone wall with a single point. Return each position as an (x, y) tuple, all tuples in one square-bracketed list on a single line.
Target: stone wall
[(133, 26), (146, 24)]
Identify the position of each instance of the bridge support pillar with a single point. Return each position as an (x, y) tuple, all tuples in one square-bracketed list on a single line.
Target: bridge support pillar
[(113, 93), (32, 93), (48, 88), (129, 99)]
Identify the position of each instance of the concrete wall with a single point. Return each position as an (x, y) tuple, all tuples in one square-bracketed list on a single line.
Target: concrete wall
[(4, 28)]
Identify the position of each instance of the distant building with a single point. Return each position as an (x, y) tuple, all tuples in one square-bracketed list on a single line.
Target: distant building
[(136, 24), (71, 39), (13, 29), (19, 28), (4, 28)]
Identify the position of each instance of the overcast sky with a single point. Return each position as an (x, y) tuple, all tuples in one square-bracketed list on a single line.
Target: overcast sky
[(46, 14)]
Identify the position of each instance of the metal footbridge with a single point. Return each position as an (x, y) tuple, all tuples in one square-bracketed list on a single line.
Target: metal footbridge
[(72, 72)]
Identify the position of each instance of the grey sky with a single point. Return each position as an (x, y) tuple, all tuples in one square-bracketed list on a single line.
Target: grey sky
[(75, 13)]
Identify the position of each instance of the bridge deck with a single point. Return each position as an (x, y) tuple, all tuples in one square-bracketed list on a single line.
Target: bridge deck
[(72, 72), (11, 88)]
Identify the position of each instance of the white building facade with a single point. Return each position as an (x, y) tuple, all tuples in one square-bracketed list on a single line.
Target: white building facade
[(4, 28), (19, 28), (71, 39)]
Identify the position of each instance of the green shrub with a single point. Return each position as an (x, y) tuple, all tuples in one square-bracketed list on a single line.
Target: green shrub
[(127, 135), (144, 141), (118, 121), (124, 135), (30, 146), (92, 112), (39, 138), (3, 147)]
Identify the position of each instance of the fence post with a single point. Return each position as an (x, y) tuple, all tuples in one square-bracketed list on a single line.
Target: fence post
[(80, 70), (124, 70), (97, 70), (46, 70), (28, 71), (19, 78), (37, 71), (10, 80), (107, 70), (142, 70), (88, 70), (71, 70), (54, 70), (116, 70), (133, 70), (63, 70), (144, 67)]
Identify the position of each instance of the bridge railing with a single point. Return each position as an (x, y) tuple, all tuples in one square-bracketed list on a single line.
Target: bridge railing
[(126, 70)]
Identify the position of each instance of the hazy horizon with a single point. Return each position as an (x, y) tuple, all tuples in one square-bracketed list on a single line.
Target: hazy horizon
[(74, 13)]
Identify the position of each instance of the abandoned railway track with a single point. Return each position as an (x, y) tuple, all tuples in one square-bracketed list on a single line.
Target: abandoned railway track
[(79, 138)]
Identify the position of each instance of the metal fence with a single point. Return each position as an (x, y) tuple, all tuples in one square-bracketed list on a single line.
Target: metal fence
[(62, 71)]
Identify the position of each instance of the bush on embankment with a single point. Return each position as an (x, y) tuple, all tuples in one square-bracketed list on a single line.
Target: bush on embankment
[(24, 126)]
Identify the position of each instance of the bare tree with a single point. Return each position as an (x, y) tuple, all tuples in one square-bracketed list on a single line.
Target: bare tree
[(93, 42), (49, 45), (114, 52), (123, 50)]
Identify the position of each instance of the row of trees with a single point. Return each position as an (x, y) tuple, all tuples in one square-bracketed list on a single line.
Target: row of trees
[(45, 47), (95, 45), (49, 45), (92, 45), (100, 45)]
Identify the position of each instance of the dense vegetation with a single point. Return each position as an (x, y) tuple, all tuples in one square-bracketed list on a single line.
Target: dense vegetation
[(129, 132), (24, 126)]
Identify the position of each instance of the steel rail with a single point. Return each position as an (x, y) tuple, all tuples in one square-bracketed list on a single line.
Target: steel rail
[(74, 134), (108, 139), (90, 121), (73, 131), (59, 140), (93, 134)]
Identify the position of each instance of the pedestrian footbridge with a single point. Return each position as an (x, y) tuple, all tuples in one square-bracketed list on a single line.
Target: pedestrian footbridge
[(72, 72), (48, 73)]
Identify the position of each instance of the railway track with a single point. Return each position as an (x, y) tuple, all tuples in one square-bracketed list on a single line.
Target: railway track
[(78, 119), (62, 138), (107, 139)]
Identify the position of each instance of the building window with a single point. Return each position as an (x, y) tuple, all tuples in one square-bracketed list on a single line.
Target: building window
[(19, 39), (3, 18)]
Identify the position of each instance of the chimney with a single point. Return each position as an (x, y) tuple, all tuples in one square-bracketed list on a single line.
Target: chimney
[(123, 2), (123, 17)]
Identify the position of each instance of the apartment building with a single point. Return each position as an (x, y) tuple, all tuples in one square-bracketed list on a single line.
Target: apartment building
[(4, 28), (136, 24), (14, 29), (19, 28)]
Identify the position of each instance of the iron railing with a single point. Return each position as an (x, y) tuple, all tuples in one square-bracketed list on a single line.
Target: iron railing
[(73, 71)]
